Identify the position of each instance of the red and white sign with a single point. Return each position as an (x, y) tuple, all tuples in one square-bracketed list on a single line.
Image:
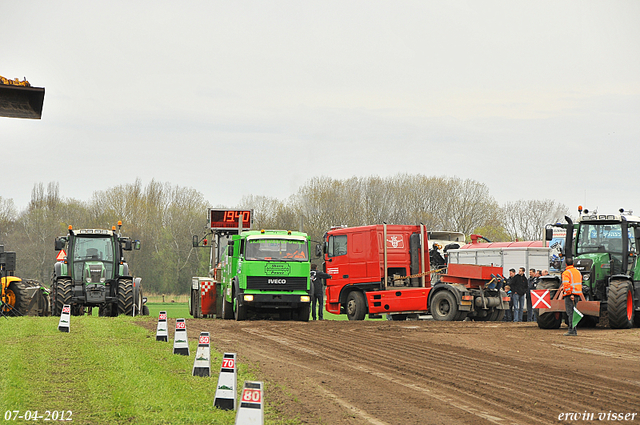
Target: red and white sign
[(203, 340), (251, 395), (66, 309), (163, 317), (395, 241), (61, 255), (181, 325), (540, 298), (228, 364)]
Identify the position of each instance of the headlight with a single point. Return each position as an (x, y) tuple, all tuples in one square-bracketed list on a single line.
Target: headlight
[(89, 279), (248, 297), (102, 280), (305, 298)]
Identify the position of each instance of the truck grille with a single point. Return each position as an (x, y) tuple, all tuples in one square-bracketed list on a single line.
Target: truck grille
[(277, 283)]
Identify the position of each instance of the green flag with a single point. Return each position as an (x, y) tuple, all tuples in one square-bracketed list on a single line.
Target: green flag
[(577, 316)]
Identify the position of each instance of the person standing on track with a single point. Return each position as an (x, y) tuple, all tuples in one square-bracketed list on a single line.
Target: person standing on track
[(317, 290), (519, 287), (532, 283), (572, 290)]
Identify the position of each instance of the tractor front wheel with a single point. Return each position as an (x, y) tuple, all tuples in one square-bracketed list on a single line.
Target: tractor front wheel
[(63, 293), (125, 297), (620, 304)]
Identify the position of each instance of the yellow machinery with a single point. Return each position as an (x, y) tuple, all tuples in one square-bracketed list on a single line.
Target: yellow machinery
[(20, 297), (18, 99)]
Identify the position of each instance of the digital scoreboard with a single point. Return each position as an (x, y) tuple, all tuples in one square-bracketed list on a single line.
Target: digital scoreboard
[(223, 219)]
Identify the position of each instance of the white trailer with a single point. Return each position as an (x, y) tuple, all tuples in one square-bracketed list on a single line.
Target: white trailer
[(513, 257)]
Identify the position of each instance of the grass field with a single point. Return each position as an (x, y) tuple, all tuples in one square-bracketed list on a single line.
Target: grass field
[(106, 371)]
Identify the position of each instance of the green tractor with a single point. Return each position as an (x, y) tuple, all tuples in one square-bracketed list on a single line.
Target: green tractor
[(91, 272), (604, 248)]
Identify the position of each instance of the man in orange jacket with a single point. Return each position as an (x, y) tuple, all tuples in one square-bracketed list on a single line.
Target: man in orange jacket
[(572, 289)]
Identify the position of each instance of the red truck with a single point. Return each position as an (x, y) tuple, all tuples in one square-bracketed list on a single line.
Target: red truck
[(385, 269)]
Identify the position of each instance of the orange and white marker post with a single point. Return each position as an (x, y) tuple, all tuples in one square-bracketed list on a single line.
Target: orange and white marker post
[(202, 362), (65, 318), (227, 383), (180, 343), (162, 333), (251, 410)]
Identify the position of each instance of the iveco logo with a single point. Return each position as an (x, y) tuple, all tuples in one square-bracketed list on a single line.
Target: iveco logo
[(277, 281)]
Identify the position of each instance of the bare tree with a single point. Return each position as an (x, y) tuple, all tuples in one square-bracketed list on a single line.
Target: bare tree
[(525, 219)]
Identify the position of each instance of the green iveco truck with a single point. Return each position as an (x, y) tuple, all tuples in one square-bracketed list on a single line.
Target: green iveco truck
[(265, 271)]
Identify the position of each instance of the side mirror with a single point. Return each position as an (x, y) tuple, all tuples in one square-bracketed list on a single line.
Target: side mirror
[(136, 245), (60, 242), (548, 233), (318, 250), (195, 241)]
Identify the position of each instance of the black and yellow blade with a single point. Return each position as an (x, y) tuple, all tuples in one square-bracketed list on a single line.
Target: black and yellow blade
[(21, 101)]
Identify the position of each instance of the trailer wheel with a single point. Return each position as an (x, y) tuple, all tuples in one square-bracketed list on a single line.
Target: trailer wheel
[(356, 306), (444, 307), (620, 304)]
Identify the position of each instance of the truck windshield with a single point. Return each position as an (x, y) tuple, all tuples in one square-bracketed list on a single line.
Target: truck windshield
[(276, 250), (87, 249), (600, 238)]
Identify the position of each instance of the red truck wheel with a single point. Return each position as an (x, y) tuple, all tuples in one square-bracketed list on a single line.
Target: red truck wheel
[(444, 306), (356, 306)]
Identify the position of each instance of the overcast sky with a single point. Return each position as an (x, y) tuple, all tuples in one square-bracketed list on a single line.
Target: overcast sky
[(537, 99)]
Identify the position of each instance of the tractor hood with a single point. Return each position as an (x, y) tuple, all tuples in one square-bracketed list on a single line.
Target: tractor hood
[(94, 272)]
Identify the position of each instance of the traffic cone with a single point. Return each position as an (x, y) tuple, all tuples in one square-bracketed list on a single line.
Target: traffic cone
[(227, 383), (65, 318), (162, 334), (202, 362), (251, 410), (180, 343)]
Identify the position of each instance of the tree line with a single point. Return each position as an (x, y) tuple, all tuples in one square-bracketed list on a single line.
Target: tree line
[(164, 218)]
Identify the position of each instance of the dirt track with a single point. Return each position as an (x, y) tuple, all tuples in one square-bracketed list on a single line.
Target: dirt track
[(426, 372)]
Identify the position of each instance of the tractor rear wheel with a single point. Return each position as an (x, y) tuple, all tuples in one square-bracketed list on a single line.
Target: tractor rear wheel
[(620, 304), (125, 297), (17, 301), (63, 293), (356, 306), (550, 321), (444, 307)]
